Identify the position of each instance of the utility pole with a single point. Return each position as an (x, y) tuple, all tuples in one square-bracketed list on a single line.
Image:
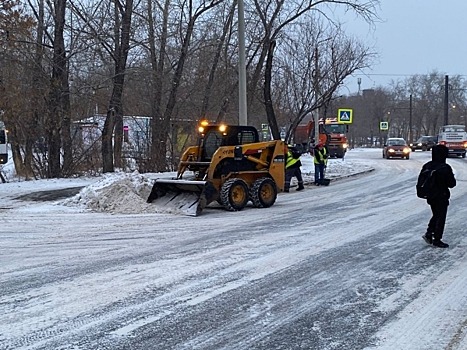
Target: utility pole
[(446, 100), (410, 120), (242, 101), (316, 87)]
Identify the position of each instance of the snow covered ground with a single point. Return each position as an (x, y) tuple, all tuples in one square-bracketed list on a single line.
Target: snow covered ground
[(86, 263)]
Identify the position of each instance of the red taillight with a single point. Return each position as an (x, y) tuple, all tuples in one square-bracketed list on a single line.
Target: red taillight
[(442, 143)]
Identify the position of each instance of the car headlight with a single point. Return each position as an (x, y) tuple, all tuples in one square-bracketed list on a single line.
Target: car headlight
[(345, 145), (406, 150), (391, 150), (420, 144)]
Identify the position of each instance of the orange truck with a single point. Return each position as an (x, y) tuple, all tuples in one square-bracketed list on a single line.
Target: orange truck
[(454, 138), (332, 133)]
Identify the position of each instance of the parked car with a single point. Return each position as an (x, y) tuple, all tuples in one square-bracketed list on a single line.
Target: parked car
[(396, 147), (424, 143)]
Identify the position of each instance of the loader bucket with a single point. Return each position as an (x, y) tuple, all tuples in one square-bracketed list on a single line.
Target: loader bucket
[(185, 196)]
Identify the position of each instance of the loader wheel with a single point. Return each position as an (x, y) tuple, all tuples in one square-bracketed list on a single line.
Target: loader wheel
[(263, 193), (234, 194)]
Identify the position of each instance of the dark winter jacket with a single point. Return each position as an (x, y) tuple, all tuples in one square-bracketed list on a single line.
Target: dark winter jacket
[(443, 176)]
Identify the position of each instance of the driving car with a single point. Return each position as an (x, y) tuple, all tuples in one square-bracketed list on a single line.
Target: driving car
[(424, 143), (396, 147)]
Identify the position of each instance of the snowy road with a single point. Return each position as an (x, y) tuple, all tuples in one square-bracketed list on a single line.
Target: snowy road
[(338, 267)]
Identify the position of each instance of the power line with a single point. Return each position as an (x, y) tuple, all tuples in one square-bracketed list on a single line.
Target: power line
[(402, 75)]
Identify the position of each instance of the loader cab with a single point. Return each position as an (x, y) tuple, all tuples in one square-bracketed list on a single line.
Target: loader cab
[(215, 136)]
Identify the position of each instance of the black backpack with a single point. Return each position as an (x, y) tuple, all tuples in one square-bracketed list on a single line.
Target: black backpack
[(426, 183)]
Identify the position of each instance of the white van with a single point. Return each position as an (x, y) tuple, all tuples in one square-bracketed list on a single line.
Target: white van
[(454, 138)]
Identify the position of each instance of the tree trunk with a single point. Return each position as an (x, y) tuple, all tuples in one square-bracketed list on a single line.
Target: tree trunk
[(112, 147), (20, 166), (57, 91), (107, 144), (159, 144), (267, 93), (212, 72), (38, 112), (157, 161)]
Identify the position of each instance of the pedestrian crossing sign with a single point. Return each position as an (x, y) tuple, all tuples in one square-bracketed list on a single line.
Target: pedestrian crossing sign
[(344, 116)]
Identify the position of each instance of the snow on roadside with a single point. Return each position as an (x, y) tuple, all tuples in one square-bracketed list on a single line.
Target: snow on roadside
[(126, 193), (114, 193)]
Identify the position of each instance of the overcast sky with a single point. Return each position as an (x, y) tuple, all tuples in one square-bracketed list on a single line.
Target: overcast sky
[(413, 37)]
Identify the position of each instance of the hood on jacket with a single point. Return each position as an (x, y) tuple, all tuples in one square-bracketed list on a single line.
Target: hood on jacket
[(439, 153)]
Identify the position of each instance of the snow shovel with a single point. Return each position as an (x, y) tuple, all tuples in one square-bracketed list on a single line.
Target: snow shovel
[(324, 181)]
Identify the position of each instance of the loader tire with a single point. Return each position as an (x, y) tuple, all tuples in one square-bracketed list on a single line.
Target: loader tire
[(234, 194), (263, 193)]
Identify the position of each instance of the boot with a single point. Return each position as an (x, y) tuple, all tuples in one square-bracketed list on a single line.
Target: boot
[(440, 244), (428, 237), (300, 187)]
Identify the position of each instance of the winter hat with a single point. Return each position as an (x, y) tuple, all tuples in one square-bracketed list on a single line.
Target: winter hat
[(439, 153)]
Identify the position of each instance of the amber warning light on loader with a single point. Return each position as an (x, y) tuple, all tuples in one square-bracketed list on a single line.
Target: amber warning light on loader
[(202, 125), (222, 128)]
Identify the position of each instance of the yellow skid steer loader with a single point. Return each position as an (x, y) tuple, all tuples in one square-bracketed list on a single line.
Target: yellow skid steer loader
[(229, 165)]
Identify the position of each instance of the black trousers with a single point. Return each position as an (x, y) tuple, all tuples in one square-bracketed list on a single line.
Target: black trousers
[(290, 173), (438, 219)]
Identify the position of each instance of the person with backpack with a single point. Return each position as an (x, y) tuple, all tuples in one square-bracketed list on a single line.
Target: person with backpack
[(434, 181), (292, 168)]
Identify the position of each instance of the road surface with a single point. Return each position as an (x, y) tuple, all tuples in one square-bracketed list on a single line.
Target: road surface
[(338, 267)]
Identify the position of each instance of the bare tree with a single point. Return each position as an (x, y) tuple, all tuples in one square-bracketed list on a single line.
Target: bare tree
[(276, 16), (160, 126), (177, 60), (428, 93), (58, 123), (313, 69), (215, 61), (16, 98), (114, 120)]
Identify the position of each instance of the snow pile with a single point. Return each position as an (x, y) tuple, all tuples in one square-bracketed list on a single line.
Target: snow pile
[(115, 193), (122, 193)]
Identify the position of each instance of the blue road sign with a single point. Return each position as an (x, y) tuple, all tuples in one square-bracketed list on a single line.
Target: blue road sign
[(344, 115)]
